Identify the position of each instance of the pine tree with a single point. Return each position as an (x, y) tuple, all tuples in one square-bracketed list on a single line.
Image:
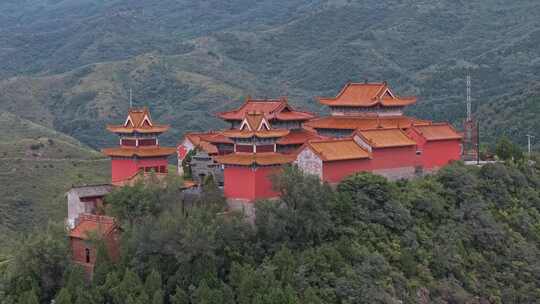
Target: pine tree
[(179, 297), (103, 263), (153, 282), (158, 297), (29, 297), (311, 297), (63, 297)]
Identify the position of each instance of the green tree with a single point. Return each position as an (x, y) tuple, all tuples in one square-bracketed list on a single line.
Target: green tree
[(504, 148), (63, 297), (158, 296), (103, 264), (179, 297), (29, 297), (206, 295), (131, 285), (132, 203), (153, 282), (75, 279), (40, 263), (301, 216)]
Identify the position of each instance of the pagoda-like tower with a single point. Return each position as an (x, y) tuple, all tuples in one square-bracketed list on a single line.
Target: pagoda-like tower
[(248, 170), (139, 152)]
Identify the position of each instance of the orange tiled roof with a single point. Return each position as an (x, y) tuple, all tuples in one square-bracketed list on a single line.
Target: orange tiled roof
[(271, 109), (124, 130), (211, 137), (89, 224), (261, 134), (367, 95), (207, 141), (139, 151), (386, 138), (248, 159), (293, 115), (338, 149), (364, 122), (254, 120), (440, 131), (138, 120), (298, 137)]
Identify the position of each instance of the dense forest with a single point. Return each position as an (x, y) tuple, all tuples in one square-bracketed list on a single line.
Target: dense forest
[(464, 235)]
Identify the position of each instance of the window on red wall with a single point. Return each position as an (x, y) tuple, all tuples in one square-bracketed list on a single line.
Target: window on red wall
[(129, 142), (147, 142), (265, 148), (87, 254), (244, 148)]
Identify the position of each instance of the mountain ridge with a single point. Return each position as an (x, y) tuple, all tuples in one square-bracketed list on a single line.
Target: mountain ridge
[(305, 49)]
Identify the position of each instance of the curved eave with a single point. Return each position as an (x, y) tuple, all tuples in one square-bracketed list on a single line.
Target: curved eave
[(260, 159), (261, 134), (385, 103), (126, 130), (392, 146), (139, 152)]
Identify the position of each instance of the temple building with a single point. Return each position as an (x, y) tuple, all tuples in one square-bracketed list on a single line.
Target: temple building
[(91, 227), (85, 200), (249, 168), (437, 143), (333, 159), (139, 152), (365, 132), (278, 113), (257, 126), (367, 98)]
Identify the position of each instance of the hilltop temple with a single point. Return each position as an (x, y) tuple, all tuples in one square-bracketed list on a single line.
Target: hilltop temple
[(365, 132)]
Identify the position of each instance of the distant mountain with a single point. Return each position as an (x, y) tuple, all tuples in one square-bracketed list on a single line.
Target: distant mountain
[(189, 59), (37, 167)]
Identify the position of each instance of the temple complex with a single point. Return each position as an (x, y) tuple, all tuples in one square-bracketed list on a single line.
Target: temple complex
[(139, 152), (365, 132)]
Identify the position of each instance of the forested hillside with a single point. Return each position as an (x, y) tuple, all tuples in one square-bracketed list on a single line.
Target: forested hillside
[(465, 235), (37, 167), (69, 65)]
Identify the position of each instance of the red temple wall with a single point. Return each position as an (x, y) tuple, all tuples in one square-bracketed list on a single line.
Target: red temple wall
[(79, 246), (263, 182), (417, 137), (440, 153), (122, 169), (249, 184), (239, 182), (398, 157), (335, 171), (78, 252)]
